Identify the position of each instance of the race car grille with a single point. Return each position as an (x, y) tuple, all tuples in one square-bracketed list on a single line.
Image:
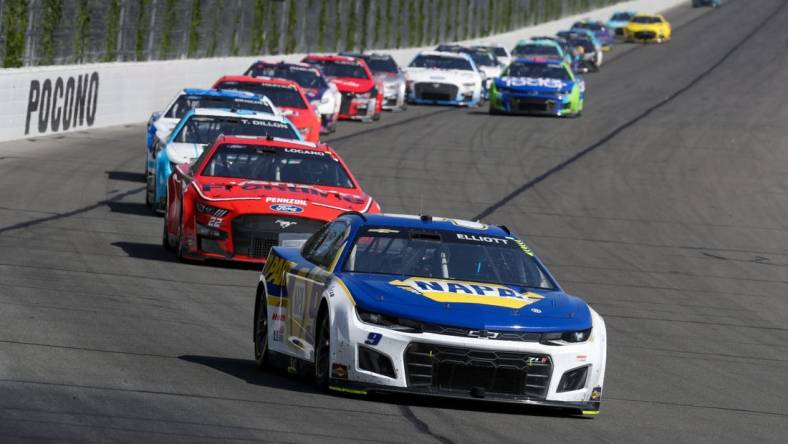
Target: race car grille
[(645, 35), (441, 369), (493, 335), (530, 105), (347, 98), (435, 91), (255, 234)]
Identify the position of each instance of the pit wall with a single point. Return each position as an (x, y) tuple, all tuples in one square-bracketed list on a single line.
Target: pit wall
[(55, 99)]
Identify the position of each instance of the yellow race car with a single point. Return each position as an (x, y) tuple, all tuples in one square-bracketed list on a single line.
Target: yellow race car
[(647, 28)]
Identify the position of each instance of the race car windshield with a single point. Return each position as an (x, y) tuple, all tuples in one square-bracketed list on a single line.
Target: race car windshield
[(185, 103), (543, 50), (500, 52), (586, 44), (205, 129), (646, 20), (445, 255), (350, 70), (441, 62), (591, 26), (306, 78), (381, 64), (537, 70), (483, 58), (289, 165), (621, 16), (282, 96)]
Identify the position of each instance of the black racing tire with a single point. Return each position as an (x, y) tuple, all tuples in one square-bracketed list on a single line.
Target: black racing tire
[(493, 111), (323, 353), (261, 330), (165, 237), (376, 116)]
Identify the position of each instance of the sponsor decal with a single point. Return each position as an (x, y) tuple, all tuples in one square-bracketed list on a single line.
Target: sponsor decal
[(522, 246), (62, 103), (287, 187), (596, 394), (282, 200), (488, 239), (279, 333), (536, 310), (285, 223), (537, 360), (531, 81), (338, 371), (215, 222), (306, 152), (581, 358), (285, 208), (373, 339), (275, 270), (440, 290), (278, 317)]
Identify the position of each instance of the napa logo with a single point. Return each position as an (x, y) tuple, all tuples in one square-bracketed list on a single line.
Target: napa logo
[(284, 208), (461, 292)]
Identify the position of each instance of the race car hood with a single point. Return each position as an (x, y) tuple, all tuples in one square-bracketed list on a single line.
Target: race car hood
[(635, 27), (283, 197), (531, 84), (179, 153), (441, 75), (470, 305), (491, 71), (352, 84)]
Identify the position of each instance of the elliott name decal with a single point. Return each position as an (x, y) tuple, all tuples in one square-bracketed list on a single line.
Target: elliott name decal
[(62, 103)]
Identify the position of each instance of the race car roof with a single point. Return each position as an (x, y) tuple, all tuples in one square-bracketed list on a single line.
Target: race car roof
[(331, 58), (220, 93), (538, 60), (274, 142), (245, 113), (259, 79), (455, 55), (434, 223)]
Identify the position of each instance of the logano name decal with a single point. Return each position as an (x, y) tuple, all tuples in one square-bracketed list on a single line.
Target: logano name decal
[(531, 81), (62, 103), (440, 290)]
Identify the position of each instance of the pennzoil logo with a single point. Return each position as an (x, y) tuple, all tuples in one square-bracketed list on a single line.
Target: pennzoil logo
[(440, 290)]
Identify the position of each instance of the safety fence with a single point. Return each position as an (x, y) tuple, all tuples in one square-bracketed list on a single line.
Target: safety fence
[(55, 32)]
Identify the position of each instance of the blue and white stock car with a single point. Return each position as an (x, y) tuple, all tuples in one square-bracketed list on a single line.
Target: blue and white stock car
[(431, 306), (200, 127)]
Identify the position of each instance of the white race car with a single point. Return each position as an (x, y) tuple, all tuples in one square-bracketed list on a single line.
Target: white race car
[(444, 78), (200, 127), (432, 306), (161, 123)]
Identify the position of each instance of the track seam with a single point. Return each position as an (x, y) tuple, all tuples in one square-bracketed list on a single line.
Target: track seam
[(582, 153)]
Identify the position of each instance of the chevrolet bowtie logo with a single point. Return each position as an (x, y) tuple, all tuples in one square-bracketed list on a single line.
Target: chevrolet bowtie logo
[(483, 334)]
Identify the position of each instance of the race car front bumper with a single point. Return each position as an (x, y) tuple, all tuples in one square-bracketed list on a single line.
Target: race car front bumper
[(437, 93), (542, 104), (393, 96), (357, 107), (370, 358)]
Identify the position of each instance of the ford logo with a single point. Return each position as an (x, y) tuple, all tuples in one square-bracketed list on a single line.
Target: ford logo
[(282, 208)]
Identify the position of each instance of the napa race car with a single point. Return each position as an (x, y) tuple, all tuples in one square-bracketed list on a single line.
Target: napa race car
[(199, 128), (321, 92), (288, 97), (618, 21), (161, 123), (444, 78), (388, 74), (362, 93), (647, 28), (538, 86), (245, 195), (428, 306)]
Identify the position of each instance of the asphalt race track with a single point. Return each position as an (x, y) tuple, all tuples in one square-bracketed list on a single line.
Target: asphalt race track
[(665, 206)]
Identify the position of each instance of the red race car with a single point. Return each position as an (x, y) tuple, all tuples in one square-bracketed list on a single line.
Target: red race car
[(285, 94), (244, 195), (362, 95)]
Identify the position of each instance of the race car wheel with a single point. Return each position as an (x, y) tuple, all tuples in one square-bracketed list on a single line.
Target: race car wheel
[(376, 116), (261, 330), (165, 237), (322, 353)]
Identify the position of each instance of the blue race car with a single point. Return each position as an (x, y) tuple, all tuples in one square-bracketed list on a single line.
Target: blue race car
[(200, 127), (712, 3), (161, 123), (428, 306), (321, 92), (600, 31), (618, 21), (538, 86)]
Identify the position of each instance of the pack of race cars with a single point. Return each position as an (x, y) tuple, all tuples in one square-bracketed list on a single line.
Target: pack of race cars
[(367, 302)]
